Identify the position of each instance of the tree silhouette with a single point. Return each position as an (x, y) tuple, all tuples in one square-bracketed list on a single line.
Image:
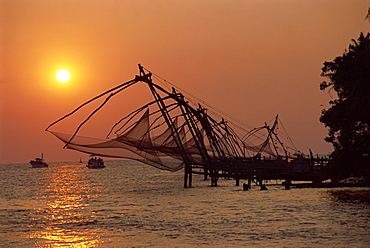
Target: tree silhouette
[(348, 117)]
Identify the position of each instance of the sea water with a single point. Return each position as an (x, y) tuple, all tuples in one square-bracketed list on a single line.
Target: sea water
[(128, 204)]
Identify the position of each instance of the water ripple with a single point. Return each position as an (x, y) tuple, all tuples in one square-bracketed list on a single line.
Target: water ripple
[(130, 205)]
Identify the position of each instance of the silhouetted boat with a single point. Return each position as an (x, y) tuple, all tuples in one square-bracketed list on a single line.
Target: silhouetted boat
[(39, 162), (95, 163)]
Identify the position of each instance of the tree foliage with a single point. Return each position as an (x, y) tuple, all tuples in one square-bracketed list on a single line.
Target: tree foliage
[(348, 117)]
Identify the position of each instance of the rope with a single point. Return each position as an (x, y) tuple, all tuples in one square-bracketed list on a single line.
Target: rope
[(197, 100)]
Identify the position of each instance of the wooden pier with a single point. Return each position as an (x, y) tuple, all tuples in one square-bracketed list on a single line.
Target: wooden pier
[(257, 170)]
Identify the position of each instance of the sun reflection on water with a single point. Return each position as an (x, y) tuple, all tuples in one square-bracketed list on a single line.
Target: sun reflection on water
[(65, 192), (65, 238)]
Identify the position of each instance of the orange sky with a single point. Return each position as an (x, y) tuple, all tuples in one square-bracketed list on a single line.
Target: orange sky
[(252, 59)]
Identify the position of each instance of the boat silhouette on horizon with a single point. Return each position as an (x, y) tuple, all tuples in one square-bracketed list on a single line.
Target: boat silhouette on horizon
[(95, 163), (39, 162)]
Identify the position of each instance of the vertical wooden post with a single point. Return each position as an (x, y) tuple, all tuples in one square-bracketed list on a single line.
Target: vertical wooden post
[(205, 173), (185, 177), (288, 183), (260, 180), (214, 178), (188, 176), (213, 181), (249, 181), (245, 187), (190, 171), (237, 181)]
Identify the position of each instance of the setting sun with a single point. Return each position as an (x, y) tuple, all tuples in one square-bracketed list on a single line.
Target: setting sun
[(63, 75)]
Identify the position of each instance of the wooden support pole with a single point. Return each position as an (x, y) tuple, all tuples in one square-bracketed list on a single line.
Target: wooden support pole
[(214, 181), (205, 174), (288, 183), (260, 180), (245, 187), (214, 178), (190, 175), (185, 178)]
